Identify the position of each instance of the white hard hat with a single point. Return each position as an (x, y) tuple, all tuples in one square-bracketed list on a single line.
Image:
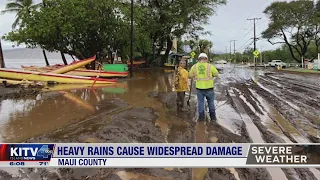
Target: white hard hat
[(202, 55)]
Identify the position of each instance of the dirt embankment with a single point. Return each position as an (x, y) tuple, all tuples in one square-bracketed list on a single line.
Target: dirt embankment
[(17, 91)]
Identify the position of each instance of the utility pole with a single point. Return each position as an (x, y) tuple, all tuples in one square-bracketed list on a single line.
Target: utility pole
[(234, 48), (131, 44), (226, 53), (254, 35), (230, 49), (261, 55)]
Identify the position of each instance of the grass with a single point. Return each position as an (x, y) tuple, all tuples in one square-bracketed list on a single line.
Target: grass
[(303, 70)]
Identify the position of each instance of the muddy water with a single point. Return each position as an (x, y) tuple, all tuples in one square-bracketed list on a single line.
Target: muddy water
[(22, 119), (253, 131), (271, 115), (201, 136)]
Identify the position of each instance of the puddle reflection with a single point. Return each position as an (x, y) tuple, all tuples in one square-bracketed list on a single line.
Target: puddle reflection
[(66, 103)]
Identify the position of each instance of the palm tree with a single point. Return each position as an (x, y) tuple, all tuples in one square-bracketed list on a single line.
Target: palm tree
[(205, 45), (21, 7)]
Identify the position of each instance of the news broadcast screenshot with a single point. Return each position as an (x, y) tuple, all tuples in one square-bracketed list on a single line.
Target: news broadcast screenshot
[(159, 90)]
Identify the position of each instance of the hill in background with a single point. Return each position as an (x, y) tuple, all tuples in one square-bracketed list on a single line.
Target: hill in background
[(25, 53)]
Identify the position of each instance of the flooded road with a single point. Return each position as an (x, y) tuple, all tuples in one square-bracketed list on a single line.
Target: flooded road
[(252, 106)]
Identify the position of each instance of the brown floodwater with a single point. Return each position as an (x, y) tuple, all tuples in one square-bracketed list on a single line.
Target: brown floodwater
[(201, 136), (21, 119)]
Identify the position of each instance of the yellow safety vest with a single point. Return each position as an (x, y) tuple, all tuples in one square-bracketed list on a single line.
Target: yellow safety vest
[(203, 76)]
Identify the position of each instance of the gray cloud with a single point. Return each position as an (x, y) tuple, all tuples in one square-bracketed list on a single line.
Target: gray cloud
[(230, 23), (6, 21)]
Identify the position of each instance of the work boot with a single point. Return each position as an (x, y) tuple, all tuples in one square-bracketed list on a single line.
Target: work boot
[(214, 118), (201, 118)]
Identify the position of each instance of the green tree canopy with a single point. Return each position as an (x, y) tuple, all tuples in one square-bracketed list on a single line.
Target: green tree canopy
[(205, 46), (77, 27), (169, 19), (82, 28), (295, 24), (199, 46)]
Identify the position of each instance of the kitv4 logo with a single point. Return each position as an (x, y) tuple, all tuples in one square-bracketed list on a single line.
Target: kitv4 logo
[(30, 152)]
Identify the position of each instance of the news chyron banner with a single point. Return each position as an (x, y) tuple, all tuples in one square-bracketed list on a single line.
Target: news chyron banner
[(159, 155)]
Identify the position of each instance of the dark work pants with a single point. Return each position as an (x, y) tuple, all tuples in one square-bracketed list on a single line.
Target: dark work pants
[(180, 99)]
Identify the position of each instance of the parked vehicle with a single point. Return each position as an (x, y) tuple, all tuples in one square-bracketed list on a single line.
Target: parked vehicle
[(275, 63), (221, 62)]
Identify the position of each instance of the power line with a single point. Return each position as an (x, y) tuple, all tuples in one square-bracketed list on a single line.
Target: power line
[(241, 47), (246, 45), (249, 45), (244, 36), (252, 29), (258, 10)]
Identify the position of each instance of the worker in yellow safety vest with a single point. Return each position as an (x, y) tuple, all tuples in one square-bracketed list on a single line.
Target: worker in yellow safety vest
[(203, 73)]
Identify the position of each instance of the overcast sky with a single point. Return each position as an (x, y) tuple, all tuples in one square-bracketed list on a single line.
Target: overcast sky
[(229, 23)]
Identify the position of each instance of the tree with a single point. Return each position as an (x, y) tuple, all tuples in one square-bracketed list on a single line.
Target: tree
[(281, 53), (247, 55), (82, 28), (316, 22), (205, 46), (168, 19), (200, 46), (21, 8), (193, 44), (142, 39), (79, 28), (294, 23)]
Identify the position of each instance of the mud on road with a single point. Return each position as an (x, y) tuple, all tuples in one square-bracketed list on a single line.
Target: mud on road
[(251, 107), (15, 92)]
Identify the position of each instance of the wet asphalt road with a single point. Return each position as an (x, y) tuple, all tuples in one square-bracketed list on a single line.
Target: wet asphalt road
[(252, 106)]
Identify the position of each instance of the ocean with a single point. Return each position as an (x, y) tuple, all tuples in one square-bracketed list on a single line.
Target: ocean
[(14, 58)]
